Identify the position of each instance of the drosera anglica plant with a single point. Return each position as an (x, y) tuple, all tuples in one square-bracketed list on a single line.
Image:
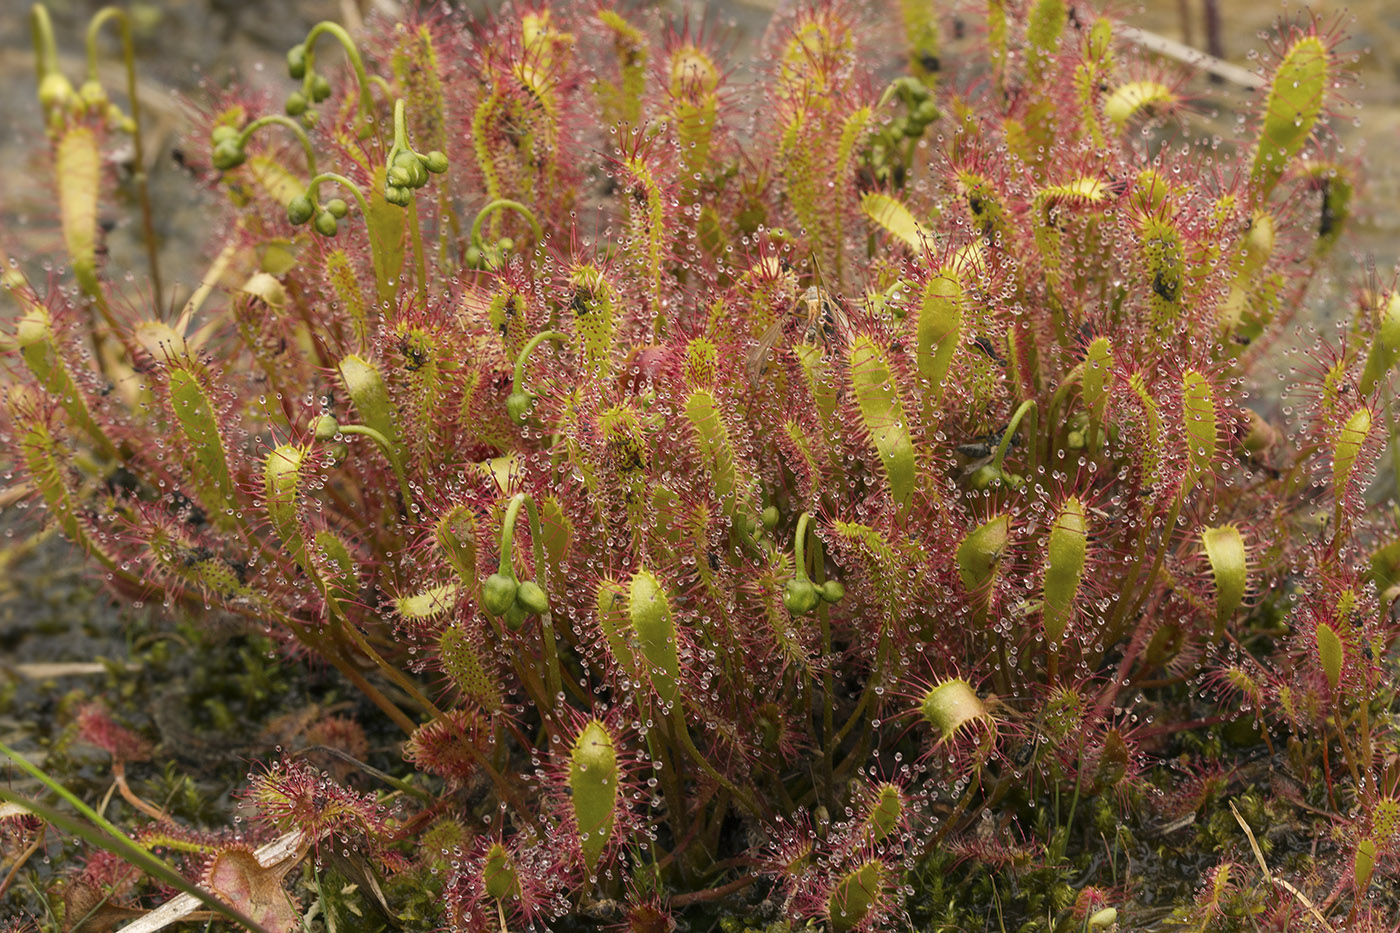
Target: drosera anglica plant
[(757, 502)]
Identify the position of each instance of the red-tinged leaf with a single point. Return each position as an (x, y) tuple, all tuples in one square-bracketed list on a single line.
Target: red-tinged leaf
[(236, 875)]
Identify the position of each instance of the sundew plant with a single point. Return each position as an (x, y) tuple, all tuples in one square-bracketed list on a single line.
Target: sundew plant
[(859, 498)]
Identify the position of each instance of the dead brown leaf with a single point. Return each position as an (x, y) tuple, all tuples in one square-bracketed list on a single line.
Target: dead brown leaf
[(89, 911)]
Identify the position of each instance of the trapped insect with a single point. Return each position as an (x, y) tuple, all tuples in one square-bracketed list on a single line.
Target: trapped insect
[(823, 318)]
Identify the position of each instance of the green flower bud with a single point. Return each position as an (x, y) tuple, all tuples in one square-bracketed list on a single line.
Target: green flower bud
[(227, 155), (473, 256), (518, 405), (296, 62), (498, 593), (300, 210), (833, 591), (515, 617), (326, 224), (911, 89), (531, 597), (800, 596), (770, 518), (435, 162), (325, 427), (320, 88), (54, 91), (505, 244), (983, 477), (413, 164), (397, 194), (91, 94), (338, 208), (222, 133), (296, 104)]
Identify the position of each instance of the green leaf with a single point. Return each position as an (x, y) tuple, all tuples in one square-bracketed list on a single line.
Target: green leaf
[(979, 553), (429, 604), (78, 169), (594, 789), (1385, 346), (39, 348), (1364, 865), (1199, 420), (367, 390), (715, 451), (1347, 448), (883, 417), (455, 536), (1064, 567), (1296, 97), (895, 218), (855, 895), (499, 875), (1135, 97), (1229, 562), (386, 223), (282, 484), (614, 622), (1096, 381), (194, 412), (462, 663), (939, 329), (593, 304), (1329, 653), (46, 461), (650, 611)]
